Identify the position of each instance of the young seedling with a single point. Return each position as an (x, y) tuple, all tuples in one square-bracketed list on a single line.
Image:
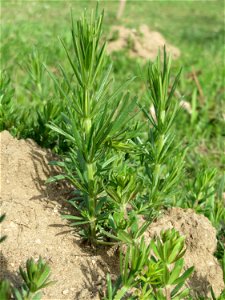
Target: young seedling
[(162, 156), (152, 272), (35, 277), (95, 126)]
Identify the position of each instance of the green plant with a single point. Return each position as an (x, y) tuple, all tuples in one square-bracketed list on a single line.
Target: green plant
[(95, 126), (122, 189), (36, 84), (5, 290), (153, 271), (156, 165), (35, 277), (44, 106), (162, 156), (8, 109), (205, 195), (170, 249)]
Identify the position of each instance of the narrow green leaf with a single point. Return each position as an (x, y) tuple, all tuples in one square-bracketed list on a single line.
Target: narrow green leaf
[(184, 276), (176, 271), (124, 237)]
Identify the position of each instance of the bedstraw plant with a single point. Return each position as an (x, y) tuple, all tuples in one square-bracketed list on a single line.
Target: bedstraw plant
[(109, 158), (96, 125), (152, 271), (35, 278), (119, 172), (162, 156)]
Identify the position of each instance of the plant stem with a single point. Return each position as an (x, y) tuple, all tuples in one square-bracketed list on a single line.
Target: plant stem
[(167, 293), (86, 102)]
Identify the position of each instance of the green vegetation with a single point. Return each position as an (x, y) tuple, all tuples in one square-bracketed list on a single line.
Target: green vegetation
[(156, 276), (35, 278), (123, 159)]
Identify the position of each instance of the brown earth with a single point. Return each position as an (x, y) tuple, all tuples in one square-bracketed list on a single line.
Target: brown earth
[(142, 43), (34, 227)]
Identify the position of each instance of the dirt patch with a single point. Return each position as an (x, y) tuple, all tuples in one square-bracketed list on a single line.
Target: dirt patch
[(200, 243), (34, 227), (142, 43)]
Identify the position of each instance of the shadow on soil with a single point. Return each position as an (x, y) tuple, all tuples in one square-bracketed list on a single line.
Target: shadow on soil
[(14, 278)]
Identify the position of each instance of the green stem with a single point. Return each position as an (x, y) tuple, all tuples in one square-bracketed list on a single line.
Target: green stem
[(160, 144), (162, 116), (93, 232), (86, 103), (157, 167), (90, 167), (90, 171), (91, 201), (156, 173)]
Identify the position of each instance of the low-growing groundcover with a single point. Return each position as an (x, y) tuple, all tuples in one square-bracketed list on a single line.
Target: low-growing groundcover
[(123, 160)]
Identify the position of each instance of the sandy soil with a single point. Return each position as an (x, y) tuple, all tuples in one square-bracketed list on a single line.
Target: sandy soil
[(142, 43)]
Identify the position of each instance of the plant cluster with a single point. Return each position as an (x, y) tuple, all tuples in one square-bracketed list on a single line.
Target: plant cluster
[(152, 271), (24, 120), (116, 169), (121, 174)]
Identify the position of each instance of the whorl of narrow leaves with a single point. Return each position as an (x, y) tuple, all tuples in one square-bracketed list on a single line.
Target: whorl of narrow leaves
[(153, 271), (95, 123), (163, 157), (35, 278)]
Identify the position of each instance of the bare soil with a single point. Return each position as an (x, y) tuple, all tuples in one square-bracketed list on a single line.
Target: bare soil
[(142, 43)]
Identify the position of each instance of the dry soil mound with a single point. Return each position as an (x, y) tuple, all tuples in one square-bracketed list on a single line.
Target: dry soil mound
[(34, 227), (200, 243), (142, 43)]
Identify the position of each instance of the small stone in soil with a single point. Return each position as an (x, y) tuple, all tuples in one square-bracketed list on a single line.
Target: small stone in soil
[(65, 292)]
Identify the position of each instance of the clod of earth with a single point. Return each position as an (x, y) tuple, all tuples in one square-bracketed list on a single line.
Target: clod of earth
[(142, 43)]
